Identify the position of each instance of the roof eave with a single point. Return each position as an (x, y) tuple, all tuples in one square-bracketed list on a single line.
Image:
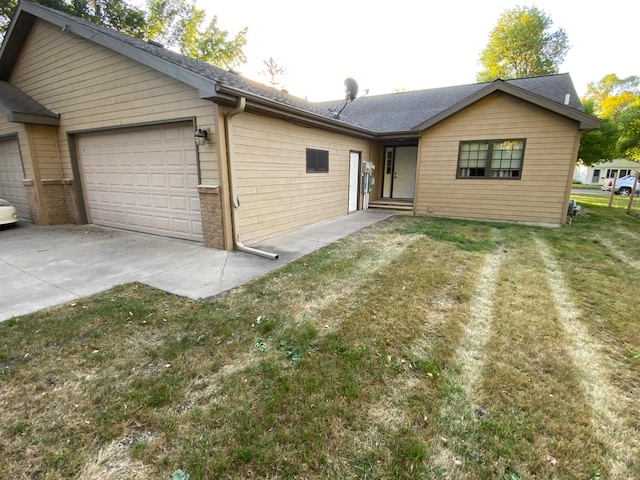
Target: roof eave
[(17, 35), (19, 28), (398, 136), (259, 104), (30, 118), (586, 122)]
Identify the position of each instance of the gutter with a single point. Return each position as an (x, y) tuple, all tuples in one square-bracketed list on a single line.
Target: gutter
[(264, 105), (238, 245)]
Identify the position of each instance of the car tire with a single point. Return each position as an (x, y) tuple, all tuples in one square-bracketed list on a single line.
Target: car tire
[(624, 191)]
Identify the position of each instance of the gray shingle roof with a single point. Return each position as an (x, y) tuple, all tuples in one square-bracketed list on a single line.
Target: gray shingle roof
[(382, 114), (17, 106), (401, 112), (205, 70)]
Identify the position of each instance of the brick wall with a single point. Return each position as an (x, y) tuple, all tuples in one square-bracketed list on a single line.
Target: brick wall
[(212, 230)]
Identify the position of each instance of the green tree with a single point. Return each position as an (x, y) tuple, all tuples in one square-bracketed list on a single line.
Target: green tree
[(629, 141), (522, 45), (599, 144), (180, 24), (7, 8), (116, 14), (177, 24), (612, 95), (616, 101)]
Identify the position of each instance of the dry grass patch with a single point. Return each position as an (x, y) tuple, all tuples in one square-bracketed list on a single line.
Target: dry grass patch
[(515, 423), (343, 364), (606, 402), (469, 363)]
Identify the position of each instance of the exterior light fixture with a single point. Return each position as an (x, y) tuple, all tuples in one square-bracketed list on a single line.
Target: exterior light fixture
[(201, 135)]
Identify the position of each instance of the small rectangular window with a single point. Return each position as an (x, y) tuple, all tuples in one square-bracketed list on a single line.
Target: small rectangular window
[(317, 161), (491, 159)]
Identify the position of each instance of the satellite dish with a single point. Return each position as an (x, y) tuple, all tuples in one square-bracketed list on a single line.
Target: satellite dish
[(350, 89)]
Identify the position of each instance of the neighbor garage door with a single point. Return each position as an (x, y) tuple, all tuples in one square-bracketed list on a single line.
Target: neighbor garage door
[(143, 179), (11, 176)]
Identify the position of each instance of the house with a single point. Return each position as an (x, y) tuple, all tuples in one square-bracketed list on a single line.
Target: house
[(597, 173), (99, 127)]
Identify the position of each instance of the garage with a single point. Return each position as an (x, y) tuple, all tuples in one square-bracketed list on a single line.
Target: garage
[(143, 179), (11, 176)]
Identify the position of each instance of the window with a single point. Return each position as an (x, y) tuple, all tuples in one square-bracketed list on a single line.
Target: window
[(317, 161), (611, 172), (491, 159)]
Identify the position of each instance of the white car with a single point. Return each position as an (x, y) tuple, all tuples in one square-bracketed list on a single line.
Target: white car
[(8, 213), (624, 185)]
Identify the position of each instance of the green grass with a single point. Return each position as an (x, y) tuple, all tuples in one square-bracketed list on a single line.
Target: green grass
[(349, 363)]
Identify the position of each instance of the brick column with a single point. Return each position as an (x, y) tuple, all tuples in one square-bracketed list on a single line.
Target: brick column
[(32, 199), (210, 208), (55, 201)]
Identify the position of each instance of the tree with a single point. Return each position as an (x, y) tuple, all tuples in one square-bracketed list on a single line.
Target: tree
[(629, 141), (180, 24), (599, 144), (176, 24), (274, 72), (522, 45), (116, 14), (616, 101), (612, 95)]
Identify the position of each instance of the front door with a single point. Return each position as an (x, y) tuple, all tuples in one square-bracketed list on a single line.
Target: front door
[(404, 173), (400, 172), (354, 163)]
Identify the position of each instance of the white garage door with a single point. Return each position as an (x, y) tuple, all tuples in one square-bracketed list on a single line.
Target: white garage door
[(143, 179), (11, 176)]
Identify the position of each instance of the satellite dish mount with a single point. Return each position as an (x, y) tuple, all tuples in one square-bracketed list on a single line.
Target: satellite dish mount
[(350, 94)]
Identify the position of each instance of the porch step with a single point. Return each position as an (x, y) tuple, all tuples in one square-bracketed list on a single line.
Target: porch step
[(391, 204)]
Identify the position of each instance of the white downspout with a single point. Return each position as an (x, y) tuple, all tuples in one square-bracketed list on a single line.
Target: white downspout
[(238, 245)]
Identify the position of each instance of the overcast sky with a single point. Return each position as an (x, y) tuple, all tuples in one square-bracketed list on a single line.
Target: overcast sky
[(415, 44)]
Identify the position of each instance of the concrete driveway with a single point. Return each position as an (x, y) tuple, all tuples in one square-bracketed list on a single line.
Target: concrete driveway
[(45, 266)]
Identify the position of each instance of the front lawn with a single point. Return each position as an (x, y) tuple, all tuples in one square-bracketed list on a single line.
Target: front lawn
[(416, 348)]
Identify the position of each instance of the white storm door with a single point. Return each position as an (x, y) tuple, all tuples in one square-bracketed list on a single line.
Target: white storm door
[(354, 163), (404, 173), (11, 176), (143, 179)]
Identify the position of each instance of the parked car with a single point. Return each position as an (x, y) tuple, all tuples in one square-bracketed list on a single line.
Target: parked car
[(8, 213), (624, 185)]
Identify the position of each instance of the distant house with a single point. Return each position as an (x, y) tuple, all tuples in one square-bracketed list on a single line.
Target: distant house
[(99, 127), (598, 173)]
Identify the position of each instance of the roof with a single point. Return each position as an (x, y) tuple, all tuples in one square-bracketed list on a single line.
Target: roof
[(366, 117), (17, 106), (416, 110)]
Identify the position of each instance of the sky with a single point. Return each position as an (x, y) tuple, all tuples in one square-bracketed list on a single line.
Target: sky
[(414, 44)]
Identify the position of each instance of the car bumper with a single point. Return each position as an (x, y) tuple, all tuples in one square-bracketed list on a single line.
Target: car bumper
[(8, 217)]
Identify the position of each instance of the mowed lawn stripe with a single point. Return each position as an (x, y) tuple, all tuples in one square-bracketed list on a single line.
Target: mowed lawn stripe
[(586, 352), (469, 361), (530, 387), (509, 420)]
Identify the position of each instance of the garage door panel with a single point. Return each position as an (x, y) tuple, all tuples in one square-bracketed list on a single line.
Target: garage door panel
[(11, 176), (160, 201), (151, 183), (177, 180)]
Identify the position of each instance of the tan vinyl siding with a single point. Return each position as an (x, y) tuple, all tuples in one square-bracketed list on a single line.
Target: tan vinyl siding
[(93, 87), (540, 195), (276, 193), (46, 151)]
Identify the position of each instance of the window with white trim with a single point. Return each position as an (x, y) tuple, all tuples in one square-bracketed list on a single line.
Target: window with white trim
[(491, 159)]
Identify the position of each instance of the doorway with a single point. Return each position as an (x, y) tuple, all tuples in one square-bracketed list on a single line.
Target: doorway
[(400, 172), (354, 164)]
